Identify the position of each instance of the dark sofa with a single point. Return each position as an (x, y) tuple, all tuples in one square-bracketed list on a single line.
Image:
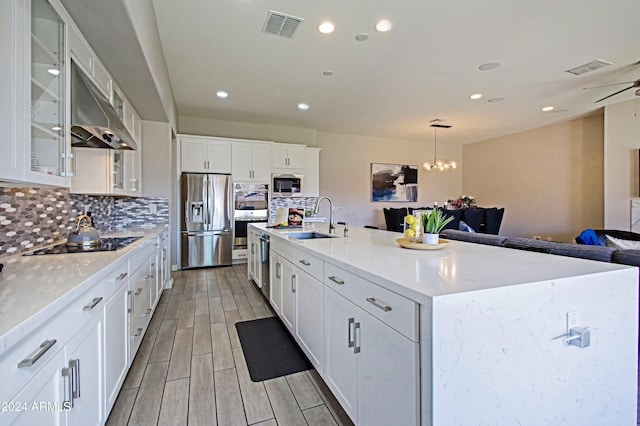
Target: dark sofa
[(592, 252), (485, 220)]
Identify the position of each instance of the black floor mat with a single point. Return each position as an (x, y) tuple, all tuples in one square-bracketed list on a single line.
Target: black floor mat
[(269, 349)]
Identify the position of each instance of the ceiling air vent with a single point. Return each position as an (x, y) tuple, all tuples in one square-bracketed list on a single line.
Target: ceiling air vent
[(281, 24), (596, 64)]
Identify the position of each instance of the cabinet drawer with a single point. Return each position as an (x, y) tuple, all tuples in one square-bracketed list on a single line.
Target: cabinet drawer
[(282, 248), (396, 311), (308, 263), (137, 329), (45, 342), (141, 255), (116, 277), (139, 291)]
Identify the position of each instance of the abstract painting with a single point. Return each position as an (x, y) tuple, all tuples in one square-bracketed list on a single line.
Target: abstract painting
[(394, 182)]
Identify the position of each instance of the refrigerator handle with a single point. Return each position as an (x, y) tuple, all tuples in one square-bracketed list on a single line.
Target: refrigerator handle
[(206, 196)]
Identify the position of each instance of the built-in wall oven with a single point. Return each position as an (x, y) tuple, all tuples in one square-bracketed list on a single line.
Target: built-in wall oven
[(251, 205)]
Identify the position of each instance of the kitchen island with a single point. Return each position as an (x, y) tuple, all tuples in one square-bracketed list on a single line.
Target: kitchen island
[(469, 334)]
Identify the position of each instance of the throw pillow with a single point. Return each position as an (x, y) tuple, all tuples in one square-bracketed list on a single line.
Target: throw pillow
[(473, 217), (464, 227), (623, 244), (493, 220), (455, 223)]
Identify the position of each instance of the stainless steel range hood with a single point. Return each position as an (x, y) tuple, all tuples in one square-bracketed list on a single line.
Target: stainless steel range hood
[(94, 122)]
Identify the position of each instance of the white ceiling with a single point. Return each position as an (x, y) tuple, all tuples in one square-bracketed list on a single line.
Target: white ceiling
[(394, 83)]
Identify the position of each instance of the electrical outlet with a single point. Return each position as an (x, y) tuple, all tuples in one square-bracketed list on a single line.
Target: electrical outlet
[(153, 208), (537, 237), (572, 320)]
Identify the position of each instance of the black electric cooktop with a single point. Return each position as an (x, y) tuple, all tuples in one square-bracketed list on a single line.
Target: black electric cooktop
[(106, 244)]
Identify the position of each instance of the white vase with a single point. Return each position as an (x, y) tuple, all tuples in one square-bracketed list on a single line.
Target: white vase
[(430, 238)]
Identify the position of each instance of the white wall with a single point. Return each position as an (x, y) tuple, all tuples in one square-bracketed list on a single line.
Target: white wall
[(621, 145)]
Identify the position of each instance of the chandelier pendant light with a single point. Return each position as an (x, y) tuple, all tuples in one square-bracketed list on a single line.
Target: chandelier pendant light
[(436, 164)]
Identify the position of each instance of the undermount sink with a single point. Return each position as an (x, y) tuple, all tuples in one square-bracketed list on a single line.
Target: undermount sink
[(308, 235)]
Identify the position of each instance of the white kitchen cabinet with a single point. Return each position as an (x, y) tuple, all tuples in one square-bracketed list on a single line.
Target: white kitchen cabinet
[(253, 255), (286, 157), (311, 172), (309, 317), (251, 161), (365, 360), (205, 154), (116, 342), (340, 363), (85, 357), (47, 391), (84, 57), (99, 172), (289, 284), (34, 95), (275, 281), (165, 265)]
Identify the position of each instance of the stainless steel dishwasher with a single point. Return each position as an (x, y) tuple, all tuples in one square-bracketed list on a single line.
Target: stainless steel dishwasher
[(264, 263)]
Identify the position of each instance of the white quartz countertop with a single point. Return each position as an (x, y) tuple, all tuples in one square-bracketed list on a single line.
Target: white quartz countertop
[(32, 287), (425, 274)]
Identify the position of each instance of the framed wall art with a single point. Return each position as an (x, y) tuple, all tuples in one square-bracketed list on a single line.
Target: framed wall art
[(394, 182)]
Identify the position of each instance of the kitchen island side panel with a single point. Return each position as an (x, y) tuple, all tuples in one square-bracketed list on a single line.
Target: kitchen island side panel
[(499, 355)]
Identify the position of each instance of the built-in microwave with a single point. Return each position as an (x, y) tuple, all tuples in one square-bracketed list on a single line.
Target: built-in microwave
[(287, 185)]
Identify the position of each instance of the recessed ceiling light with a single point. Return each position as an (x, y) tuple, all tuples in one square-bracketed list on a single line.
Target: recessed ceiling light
[(489, 66), (496, 99), (222, 94), (476, 96), (547, 108), (362, 37), (328, 73), (326, 28), (383, 26), (53, 71), (302, 106)]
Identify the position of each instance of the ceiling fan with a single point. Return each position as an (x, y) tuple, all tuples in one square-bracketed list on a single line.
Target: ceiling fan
[(635, 83)]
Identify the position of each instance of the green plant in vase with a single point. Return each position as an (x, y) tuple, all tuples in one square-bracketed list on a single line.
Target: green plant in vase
[(432, 224)]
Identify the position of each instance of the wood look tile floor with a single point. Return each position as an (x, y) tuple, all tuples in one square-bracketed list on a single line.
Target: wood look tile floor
[(190, 368)]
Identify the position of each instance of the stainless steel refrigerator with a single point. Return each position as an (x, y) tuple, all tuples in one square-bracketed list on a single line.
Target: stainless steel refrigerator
[(206, 220)]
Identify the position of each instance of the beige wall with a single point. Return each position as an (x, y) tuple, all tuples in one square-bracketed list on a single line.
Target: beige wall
[(345, 173), (156, 159), (621, 145), (550, 180)]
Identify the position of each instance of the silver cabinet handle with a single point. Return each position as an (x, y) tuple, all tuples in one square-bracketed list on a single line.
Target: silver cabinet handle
[(92, 304), (305, 262), (74, 365), (148, 312), (336, 280), (67, 373), (37, 354), (356, 348), (293, 279), (138, 291), (278, 270), (138, 333), (122, 276), (377, 304), (350, 341), (129, 304)]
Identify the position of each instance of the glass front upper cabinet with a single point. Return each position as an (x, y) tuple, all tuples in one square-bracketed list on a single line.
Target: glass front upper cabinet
[(48, 142)]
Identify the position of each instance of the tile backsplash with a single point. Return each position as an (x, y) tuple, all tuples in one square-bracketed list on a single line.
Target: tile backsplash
[(306, 203), (36, 217)]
